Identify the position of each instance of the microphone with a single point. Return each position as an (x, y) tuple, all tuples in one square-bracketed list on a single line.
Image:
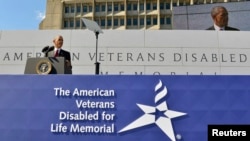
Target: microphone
[(46, 49)]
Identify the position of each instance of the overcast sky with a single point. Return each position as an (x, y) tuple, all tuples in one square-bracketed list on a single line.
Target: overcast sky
[(21, 14)]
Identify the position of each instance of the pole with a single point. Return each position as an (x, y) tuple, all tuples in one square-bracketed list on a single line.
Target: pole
[(97, 64)]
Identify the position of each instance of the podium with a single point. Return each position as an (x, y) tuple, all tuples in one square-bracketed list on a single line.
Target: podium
[(45, 65)]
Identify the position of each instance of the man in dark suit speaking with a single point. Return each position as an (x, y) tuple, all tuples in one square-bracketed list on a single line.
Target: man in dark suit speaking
[(219, 15), (57, 51)]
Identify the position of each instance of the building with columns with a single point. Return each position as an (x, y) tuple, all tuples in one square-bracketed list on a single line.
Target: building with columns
[(117, 14)]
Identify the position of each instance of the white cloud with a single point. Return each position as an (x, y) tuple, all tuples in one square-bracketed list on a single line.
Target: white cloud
[(40, 15)]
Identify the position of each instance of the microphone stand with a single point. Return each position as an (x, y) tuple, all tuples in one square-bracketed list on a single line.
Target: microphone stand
[(93, 26), (97, 64)]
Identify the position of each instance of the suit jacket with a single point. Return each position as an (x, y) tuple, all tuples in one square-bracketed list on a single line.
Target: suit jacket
[(226, 28), (62, 53)]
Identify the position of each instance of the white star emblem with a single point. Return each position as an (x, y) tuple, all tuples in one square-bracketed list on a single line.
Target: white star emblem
[(150, 116)]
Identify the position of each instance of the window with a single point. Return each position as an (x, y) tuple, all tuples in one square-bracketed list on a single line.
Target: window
[(135, 6), (135, 21), (116, 7), (71, 23), (129, 22), (141, 6), (72, 9), (66, 25), (66, 9), (148, 21), (109, 7), (122, 7), (109, 22), (85, 8), (115, 22), (78, 23), (129, 7), (90, 8), (78, 8), (154, 6), (167, 5), (141, 21), (168, 20), (155, 21), (103, 8), (102, 22), (162, 20), (161, 6), (148, 6), (121, 22), (97, 8)]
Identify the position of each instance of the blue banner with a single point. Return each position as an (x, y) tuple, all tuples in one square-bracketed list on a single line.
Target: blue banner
[(120, 108)]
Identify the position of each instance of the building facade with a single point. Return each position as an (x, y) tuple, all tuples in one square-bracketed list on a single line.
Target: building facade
[(116, 14), (112, 14), (109, 14)]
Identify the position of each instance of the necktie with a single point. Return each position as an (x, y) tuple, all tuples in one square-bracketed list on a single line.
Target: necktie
[(57, 53)]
